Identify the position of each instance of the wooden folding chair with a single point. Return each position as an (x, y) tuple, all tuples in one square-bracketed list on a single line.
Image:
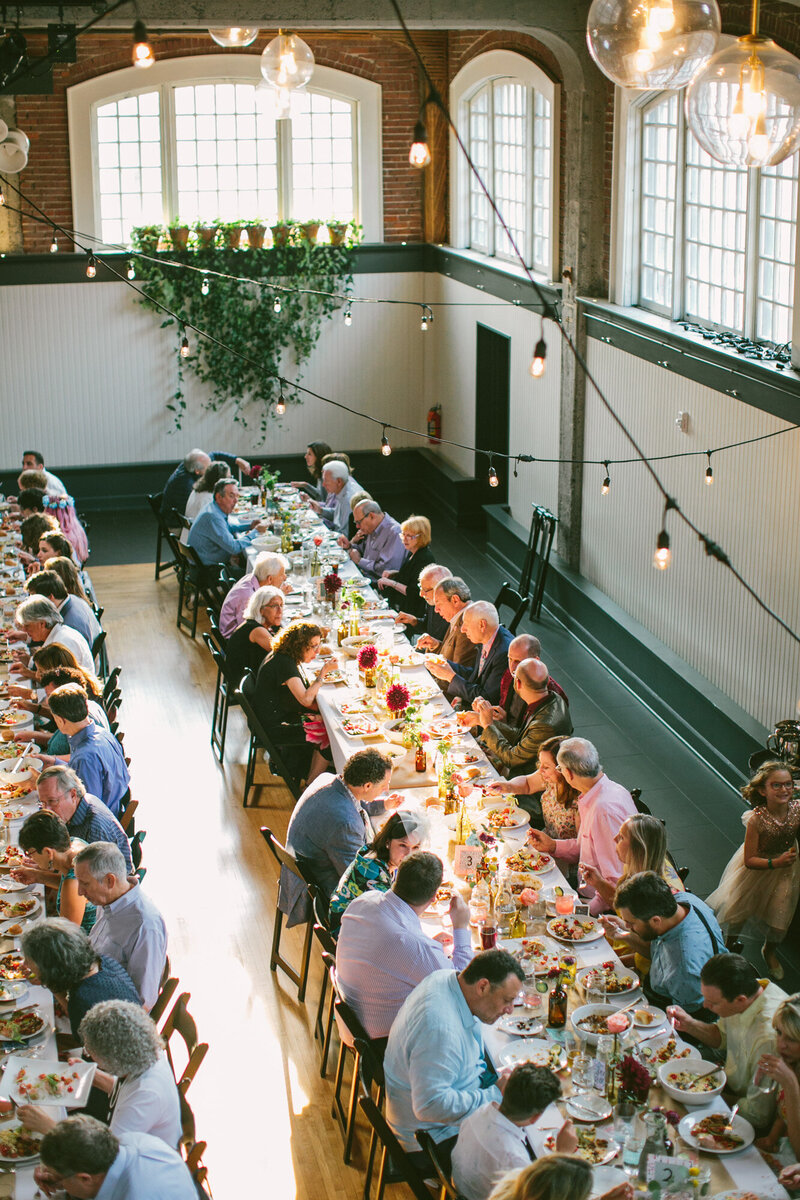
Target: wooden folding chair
[(402, 1168), (181, 1022), (431, 1150), (260, 740), (168, 989), (126, 815), (164, 535), (285, 858)]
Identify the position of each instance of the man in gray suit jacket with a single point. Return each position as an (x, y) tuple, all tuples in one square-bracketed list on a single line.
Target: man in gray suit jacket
[(330, 824)]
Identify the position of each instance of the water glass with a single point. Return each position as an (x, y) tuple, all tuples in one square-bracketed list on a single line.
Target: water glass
[(582, 1073), (564, 905), (632, 1152), (531, 997), (763, 1083)]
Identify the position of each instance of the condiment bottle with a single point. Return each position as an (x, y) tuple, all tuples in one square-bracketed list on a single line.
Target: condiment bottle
[(655, 1140), (557, 1006)]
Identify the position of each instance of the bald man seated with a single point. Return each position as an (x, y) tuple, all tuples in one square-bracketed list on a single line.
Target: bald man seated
[(515, 746)]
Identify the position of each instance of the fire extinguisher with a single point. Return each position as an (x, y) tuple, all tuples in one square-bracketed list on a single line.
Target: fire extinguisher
[(435, 424)]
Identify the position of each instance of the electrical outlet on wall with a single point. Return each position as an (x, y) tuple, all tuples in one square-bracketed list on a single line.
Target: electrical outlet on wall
[(682, 422)]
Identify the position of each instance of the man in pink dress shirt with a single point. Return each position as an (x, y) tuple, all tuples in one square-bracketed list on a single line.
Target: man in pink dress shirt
[(602, 808)]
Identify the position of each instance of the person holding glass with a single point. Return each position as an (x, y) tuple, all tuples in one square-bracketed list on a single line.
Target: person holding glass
[(784, 1068)]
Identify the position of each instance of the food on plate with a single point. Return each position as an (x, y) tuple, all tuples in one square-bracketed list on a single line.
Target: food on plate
[(598, 1022), (592, 1148), (509, 817), (573, 929), (38, 1086), (334, 676), (692, 1081), (13, 716), (543, 1054), (12, 931), (6, 995), (14, 791), (21, 1025), (441, 729), (18, 1143), (12, 966), (11, 814), (666, 1052), (360, 705), (606, 977), (526, 1024), (518, 881), (528, 859), (356, 726), (643, 1016), (12, 856), (17, 908), (710, 1132)]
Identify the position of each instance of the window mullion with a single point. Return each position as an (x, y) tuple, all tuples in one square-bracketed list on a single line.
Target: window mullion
[(751, 252), (283, 134), (679, 248), (529, 153), (169, 168), (491, 183)]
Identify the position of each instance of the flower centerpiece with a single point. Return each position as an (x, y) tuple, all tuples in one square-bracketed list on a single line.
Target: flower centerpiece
[(367, 662), (268, 481), (332, 583), (397, 697), (634, 1080)]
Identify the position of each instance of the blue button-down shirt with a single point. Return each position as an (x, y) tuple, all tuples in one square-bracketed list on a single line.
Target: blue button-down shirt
[(211, 536), (382, 550), (434, 1062), (145, 1166), (79, 616), (92, 822), (132, 931), (98, 759), (679, 955)]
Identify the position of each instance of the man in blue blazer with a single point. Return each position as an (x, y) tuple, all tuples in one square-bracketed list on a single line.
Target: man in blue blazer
[(481, 624)]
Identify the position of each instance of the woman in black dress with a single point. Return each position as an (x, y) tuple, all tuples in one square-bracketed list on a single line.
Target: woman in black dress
[(315, 452), (401, 587), (283, 695), (251, 642)]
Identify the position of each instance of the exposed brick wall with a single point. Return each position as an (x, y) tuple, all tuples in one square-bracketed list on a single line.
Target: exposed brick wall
[(381, 57)]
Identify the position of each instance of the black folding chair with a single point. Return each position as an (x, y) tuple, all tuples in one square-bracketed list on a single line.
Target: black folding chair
[(511, 598), (431, 1150), (196, 580), (260, 740), (100, 655), (395, 1165), (111, 684), (225, 695), (323, 1022), (164, 534), (285, 858)]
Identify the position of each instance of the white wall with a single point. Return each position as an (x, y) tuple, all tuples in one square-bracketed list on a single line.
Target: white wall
[(87, 374), (450, 381), (752, 510)]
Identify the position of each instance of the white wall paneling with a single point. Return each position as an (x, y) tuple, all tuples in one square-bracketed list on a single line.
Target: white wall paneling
[(88, 373), (696, 607)]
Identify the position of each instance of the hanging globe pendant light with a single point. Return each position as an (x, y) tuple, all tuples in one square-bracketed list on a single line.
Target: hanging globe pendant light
[(236, 35), (652, 44), (287, 62), (744, 106)]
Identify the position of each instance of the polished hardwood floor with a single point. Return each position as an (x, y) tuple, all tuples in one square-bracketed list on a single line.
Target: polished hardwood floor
[(258, 1098)]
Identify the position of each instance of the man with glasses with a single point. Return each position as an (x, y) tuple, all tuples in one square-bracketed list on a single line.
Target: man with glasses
[(61, 792), (433, 624), (213, 537), (380, 547), (451, 598)]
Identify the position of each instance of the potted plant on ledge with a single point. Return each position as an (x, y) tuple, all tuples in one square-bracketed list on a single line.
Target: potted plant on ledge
[(178, 234), (205, 233), (232, 234)]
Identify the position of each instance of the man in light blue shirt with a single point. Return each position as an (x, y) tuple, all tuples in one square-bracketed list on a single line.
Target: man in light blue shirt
[(87, 1160), (129, 928), (381, 548), (435, 1064), (211, 534), (678, 933), (95, 755)]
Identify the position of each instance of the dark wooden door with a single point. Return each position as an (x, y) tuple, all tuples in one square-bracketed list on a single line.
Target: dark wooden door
[(492, 410)]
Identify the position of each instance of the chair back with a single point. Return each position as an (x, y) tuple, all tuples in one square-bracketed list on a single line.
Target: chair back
[(136, 847), (182, 1023), (110, 685), (404, 1167), (283, 857), (155, 500), (510, 598), (431, 1151), (168, 989), (126, 815), (347, 1020), (243, 696), (638, 803)]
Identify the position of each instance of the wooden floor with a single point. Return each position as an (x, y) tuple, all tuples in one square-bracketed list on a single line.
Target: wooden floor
[(258, 1098)]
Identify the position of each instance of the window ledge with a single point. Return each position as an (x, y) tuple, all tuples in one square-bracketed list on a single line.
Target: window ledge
[(495, 276), (663, 342)]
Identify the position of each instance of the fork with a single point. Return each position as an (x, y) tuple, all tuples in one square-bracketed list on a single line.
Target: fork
[(731, 1119)]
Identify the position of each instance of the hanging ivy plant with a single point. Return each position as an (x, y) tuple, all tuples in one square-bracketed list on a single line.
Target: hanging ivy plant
[(241, 313)]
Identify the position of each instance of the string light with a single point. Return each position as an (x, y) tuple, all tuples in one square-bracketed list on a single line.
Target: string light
[(2, 197), (205, 286), (91, 266), (142, 54), (54, 245), (184, 345), (539, 360), (493, 480), (606, 488), (420, 153), (709, 470), (348, 317), (663, 555), (131, 271), (276, 304), (386, 448), (427, 318), (280, 404)]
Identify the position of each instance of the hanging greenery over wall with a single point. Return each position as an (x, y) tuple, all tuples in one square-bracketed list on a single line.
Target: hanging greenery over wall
[(241, 313)]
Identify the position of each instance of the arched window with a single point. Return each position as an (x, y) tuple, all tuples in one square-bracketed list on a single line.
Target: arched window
[(716, 244), (507, 113), (197, 138)]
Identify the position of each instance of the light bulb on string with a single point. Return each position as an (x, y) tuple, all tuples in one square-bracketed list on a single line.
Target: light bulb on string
[(386, 448), (419, 155), (205, 286), (2, 197), (276, 304), (348, 317), (663, 555), (493, 480), (184, 345), (236, 35), (287, 62), (54, 245), (280, 405), (142, 53), (91, 266), (427, 318), (539, 360), (709, 470), (649, 44), (606, 488), (131, 271)]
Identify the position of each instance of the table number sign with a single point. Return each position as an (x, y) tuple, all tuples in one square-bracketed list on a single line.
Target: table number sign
[(665, 1170), (466, 861)]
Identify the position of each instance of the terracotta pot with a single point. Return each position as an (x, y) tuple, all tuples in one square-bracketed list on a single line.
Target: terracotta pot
[(179, 236), (310, 231), (280, 235), (206, 234), (255, 236), (338, 232), (149, 245), (233, 238)]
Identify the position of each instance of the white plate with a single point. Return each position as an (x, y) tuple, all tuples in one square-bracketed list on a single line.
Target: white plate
[(81, 1085), (23, 921), (658, 1016), (610, 1154), (14, 885), (16, 992), (741, 1128), (588, 1107), (44, 1028), (538, 1051), (550, 960), (516, 1023), (619, 972), (29, 763), (593, 936), (587, 1010), (606, 1178), (649, 1048), (11, 1163), (520, 816), (28, 916)]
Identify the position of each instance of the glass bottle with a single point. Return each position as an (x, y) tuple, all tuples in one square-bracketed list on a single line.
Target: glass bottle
[(655, 1140), (605, 1049), (479, 903), (420, 758), (557, 1006), (505, 907)]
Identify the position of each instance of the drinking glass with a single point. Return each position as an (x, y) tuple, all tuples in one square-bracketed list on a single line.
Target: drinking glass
[(582, 1073), (488, 936), (763, 1083), (531, 997), (632, 1152), (564, 905)]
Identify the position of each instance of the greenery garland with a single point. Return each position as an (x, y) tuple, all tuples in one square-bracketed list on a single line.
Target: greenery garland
[(241, 314)]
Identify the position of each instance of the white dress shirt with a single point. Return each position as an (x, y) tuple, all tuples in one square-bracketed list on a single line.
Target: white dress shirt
[(64, 635), (55, 486), (383, 953), (132, 931), (149, 1104), (488, 1146), (146, 1169)]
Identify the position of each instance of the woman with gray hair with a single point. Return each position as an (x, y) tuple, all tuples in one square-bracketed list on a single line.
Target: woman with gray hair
[(251, 642), (62, 959), (132, 1069)]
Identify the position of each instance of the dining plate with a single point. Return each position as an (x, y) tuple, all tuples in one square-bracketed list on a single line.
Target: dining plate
[(20, 909), (12, 993), (688, 1130), (595, 1148), (522, 1024), (618, 980), (505, 818), (575, 929), (22, 1026), (357, 726), (648, 1017), (18, 1146), (12, 966), (538, 1051), (46, 1082), (543, 955), (588, 1107), (14, 885)]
